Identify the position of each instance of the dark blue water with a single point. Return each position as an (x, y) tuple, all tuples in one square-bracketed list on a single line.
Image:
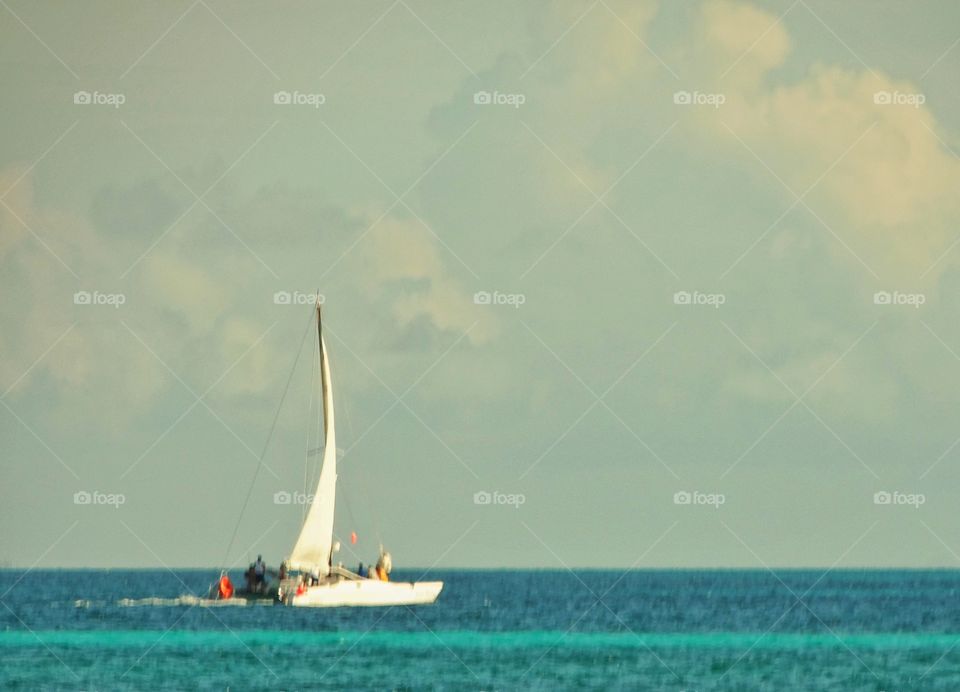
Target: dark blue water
[(869, 630)]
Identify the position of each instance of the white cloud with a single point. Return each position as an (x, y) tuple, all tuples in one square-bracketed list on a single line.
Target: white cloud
[(740, 40), (198, 307), (892, 194), (400, 262), (194, 290), (95, 365)]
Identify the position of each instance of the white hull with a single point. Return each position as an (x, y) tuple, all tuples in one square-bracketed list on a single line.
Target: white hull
[(365, 592)]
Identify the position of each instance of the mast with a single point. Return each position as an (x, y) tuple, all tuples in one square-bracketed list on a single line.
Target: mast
[(324, 381), (312, 551)]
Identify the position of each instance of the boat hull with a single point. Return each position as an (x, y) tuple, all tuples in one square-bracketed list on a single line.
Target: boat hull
[(365, 592)]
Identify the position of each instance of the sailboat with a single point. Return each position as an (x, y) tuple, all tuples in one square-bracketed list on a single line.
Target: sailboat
[(311, 578)]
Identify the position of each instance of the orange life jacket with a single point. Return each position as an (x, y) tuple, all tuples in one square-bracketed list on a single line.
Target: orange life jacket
[(226, 587)]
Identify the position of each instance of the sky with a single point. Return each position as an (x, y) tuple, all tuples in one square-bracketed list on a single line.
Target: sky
[(605, 284)]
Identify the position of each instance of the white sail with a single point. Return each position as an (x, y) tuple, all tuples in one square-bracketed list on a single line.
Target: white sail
[(312, 550)]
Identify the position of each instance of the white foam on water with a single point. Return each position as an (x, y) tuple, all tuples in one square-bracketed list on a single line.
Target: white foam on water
[(85, 603), (184, 600)]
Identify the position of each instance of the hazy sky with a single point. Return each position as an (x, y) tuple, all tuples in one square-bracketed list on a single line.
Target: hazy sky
[(583, 163)]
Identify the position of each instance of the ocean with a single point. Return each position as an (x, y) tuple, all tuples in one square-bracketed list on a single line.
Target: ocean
[(492, 630)]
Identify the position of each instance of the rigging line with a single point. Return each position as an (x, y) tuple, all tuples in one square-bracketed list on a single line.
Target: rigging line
[(346, 503), (346, 410), (367, 489), (365, 485), (266, 445), (345, 407), (368, 492)]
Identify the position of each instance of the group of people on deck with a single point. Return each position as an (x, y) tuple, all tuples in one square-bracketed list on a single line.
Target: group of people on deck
[(256, 577), (257, 583), (377, 572)]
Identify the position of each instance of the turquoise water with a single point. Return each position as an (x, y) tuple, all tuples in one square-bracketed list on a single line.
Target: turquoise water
[(870, 630)]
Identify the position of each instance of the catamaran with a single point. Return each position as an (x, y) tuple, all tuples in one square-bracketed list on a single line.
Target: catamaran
[(309, 576)]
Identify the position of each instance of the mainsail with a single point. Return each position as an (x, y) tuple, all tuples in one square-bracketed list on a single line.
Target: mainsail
[(312, 550)]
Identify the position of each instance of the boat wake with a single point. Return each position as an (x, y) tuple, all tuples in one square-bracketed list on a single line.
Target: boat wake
[(184, 600)]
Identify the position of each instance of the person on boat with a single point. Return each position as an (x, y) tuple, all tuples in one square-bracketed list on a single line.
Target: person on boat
[(335, 548), (360, 571), (259, 571), (226, 587), (282, 573), (384, 565)]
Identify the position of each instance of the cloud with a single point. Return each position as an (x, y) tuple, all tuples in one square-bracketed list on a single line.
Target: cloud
[(606, 46), (194, 290), (256, 368), (402, 264), (888, 183), (44, 318), (741, 40), (198, 305)]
